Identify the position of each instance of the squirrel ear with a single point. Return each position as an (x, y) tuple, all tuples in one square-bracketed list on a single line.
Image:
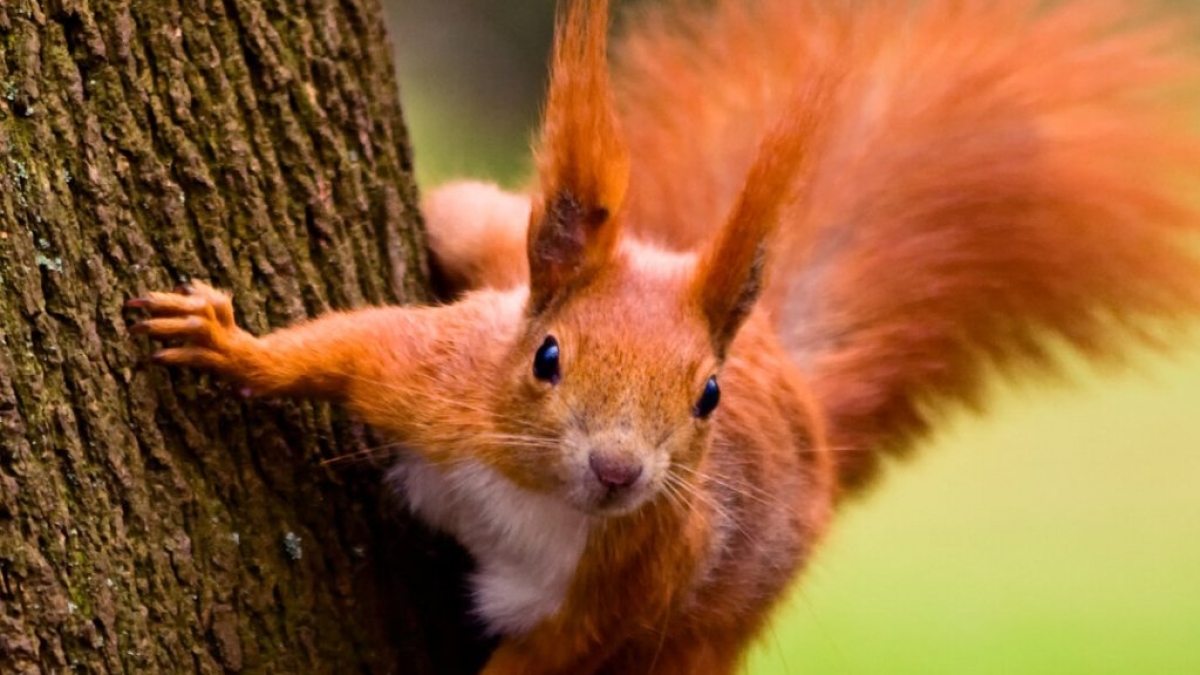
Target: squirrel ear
[(731, 271), (582, 161)]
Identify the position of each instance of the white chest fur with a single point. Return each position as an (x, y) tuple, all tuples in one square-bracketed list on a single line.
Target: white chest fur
[(526, 545)]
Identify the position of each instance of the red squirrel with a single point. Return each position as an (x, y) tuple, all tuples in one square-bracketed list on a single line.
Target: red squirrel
[(764, 250)]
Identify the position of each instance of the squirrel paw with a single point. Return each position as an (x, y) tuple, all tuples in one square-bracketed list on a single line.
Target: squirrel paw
[(199, 316)]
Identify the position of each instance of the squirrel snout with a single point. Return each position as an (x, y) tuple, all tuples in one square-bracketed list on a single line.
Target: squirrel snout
[(613, 471)]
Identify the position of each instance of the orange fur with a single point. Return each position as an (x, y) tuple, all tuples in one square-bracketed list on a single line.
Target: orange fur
[(995, 179), (872, 204), (480, 238), (583, 164)]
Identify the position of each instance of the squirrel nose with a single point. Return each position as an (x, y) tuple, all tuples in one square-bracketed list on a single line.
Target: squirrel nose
[(614, 472)]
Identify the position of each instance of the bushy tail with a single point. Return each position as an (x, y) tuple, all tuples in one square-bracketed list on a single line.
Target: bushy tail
[(996, 179)]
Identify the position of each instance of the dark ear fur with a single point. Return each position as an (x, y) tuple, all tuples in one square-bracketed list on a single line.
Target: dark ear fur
[(583, 165)]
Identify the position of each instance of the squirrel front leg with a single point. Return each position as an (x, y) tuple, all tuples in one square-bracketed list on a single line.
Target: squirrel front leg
[(399, 368), (317, 359), (545, 651), (549, 651), (201, 318)]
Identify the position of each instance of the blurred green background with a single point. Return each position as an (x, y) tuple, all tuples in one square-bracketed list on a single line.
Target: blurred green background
[(1058, 535)]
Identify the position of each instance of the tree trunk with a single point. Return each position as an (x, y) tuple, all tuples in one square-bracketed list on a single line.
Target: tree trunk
[(150, 522)]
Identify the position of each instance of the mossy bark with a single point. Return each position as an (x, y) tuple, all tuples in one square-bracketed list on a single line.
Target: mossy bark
[(149, 521)]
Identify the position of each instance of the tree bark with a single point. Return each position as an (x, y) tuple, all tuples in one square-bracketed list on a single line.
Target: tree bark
[(150, 522)]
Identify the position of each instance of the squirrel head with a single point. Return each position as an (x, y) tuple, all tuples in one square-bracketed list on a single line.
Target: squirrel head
[(614, 383)]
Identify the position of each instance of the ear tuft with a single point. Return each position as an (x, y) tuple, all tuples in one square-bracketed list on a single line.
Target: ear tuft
[(730, 278), (582, 161), (731, 271)]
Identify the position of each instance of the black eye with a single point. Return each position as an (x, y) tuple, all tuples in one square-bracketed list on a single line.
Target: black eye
[(545, 362), (709, 399)]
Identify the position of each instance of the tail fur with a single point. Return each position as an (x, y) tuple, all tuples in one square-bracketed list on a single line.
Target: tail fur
[(995, 178)]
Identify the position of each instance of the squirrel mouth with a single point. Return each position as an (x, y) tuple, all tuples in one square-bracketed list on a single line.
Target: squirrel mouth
[(610, 502)]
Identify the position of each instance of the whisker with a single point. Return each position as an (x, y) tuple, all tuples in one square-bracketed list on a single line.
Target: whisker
[(718, 508), (449, 401), (742, 489)]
